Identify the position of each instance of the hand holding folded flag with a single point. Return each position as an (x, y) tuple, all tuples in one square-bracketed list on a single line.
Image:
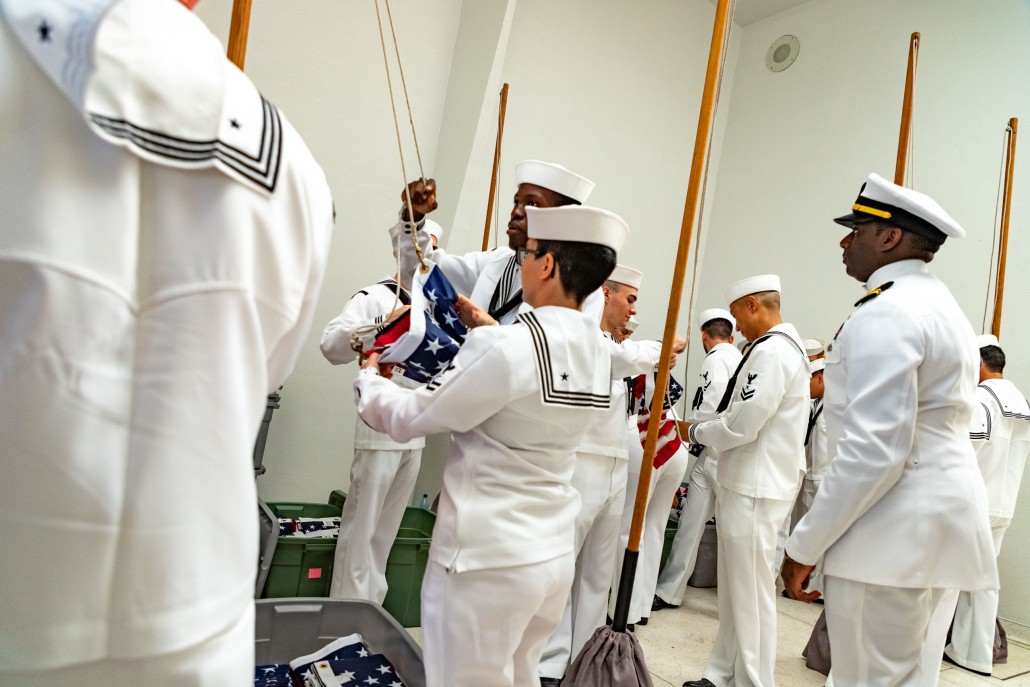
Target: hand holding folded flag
[(424, 339)]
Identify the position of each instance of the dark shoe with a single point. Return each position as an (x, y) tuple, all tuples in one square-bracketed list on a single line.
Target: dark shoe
[(703, 682), (642, 622), (550, 682), (660, 604), (949, 659)]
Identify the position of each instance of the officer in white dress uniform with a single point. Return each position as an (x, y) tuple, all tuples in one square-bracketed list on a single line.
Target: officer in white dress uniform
[(600, 479), (900, 519), (760, 442), (721, 360), (1001, 438), (491, 278), (163, 241), (383, 471), (519, 400)]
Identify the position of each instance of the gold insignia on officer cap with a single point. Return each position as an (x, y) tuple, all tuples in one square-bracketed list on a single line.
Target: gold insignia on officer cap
[(913, 211)]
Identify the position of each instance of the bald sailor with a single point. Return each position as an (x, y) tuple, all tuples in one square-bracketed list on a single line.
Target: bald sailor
[(1001, 438), (900, 520), (721, 359), (519, 400), (760, 437)]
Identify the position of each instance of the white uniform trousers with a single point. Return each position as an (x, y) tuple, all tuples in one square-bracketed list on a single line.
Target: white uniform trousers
[(885, 636), (601, 483), (380, 489), (699, 509), (972, 634), (744, 654), (224, 660), (487, 628), (664, 483)]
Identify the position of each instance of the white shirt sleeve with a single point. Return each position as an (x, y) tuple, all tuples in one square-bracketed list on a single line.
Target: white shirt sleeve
[(360, 315), (631, 358), (980, 429), (477, 386), (461, 270)]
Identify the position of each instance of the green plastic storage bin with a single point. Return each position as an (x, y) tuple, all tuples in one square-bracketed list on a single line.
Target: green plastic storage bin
[(406, 565), (301, 566)]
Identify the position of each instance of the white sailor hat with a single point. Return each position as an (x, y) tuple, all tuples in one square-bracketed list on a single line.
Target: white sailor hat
[(577, 223), (758, 284), (434, 229), (555, 178), (626, 275), (817, 365), (814, 346), (987, 340), (632, 323), (911, 210), (710, 314)]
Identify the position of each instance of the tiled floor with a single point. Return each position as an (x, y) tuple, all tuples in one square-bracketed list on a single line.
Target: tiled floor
[(676, 643)]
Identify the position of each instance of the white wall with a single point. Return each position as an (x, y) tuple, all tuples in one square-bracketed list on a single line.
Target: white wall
[(799, 144), (320, 61)]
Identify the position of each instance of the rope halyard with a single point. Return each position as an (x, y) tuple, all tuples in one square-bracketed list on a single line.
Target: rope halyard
[(357, 344), (423, 267)]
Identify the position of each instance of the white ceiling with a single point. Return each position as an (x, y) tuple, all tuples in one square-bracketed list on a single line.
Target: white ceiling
[(749, 11)]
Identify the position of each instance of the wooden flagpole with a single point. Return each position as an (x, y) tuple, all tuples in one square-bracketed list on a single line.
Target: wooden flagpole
[(704, 127), (906, 111), (497, 162), (238, 30), (1006, 210)]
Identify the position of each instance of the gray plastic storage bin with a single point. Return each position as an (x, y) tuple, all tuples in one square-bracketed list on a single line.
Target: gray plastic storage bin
[(286, 629), (705, 573)]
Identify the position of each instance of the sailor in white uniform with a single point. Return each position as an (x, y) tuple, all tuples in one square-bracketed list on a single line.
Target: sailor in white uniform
[(163, 241), (900, 520), (666, 475), (1001, 438), (519, 400), (600, 479), (491, 278), (383, 471), (721, 360), (760, 437)]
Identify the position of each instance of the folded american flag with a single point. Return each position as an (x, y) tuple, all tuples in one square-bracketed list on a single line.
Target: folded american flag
[(425, 339), (304, 670), (276, 675), (370, 670)]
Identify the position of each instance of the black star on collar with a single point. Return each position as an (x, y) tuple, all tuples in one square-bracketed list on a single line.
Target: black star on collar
[(44, 32), (234, 123), (564, 376)]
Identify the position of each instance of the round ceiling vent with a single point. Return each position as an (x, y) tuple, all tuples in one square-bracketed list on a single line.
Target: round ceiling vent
[(782, 53)]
